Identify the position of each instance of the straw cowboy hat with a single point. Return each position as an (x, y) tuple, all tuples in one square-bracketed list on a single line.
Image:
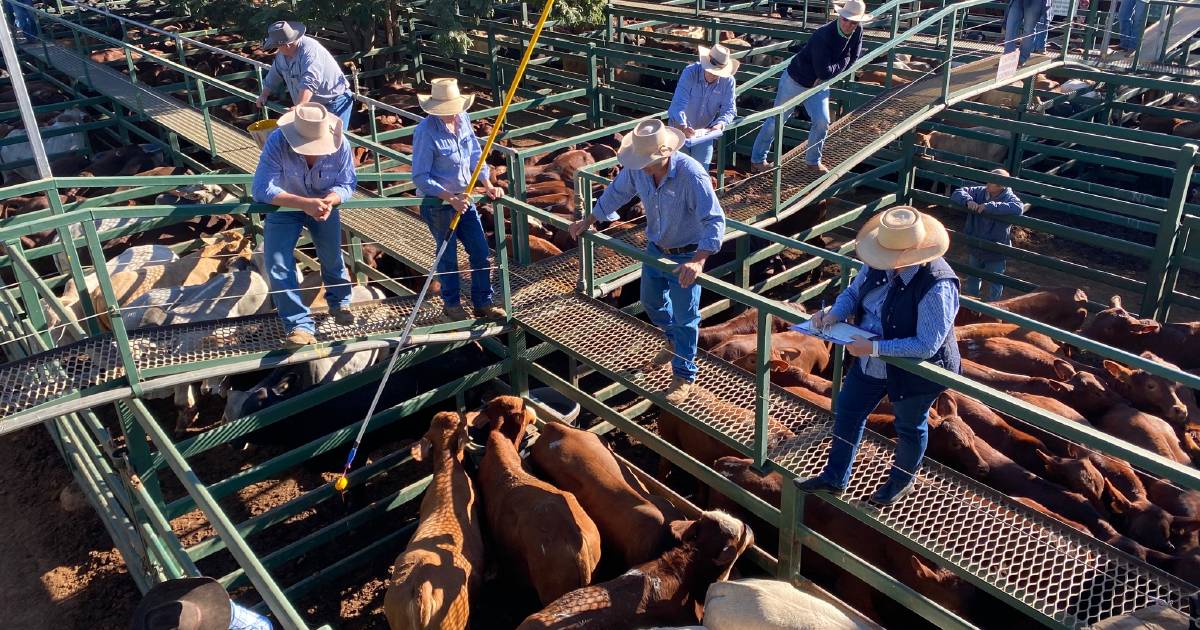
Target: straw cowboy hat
[(649, 141), (901, 237), (445, 99), (855, 11), (281, 33), (718, 61), (198, 603), (310, 129)]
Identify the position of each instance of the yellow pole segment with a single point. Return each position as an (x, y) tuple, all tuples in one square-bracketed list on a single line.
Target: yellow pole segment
[(512, 91)]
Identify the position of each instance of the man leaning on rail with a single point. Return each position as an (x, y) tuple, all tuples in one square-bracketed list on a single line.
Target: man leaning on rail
[(830, 50), (305, 164), (985, 203), (309, 71), (684, 223), (906, 295)]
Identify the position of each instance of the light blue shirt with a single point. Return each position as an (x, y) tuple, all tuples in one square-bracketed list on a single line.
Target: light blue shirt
[(699, 104), (443, 161), (683, 210), (312, 67), (245, 619), (935, 318), (280, 169)]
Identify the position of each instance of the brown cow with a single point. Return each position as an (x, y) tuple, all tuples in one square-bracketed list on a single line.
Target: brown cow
[(1078, 475), (803, 352), (667, 590), (1149, 524), (743, 324), (1018, 445), (1177, 343), (543, 531), (1010, 331), (1018, 357), (1083, 392), (1061, 307), (1053, 406), (702, 446), (1142, 429), (434, 579), (1172, 401), (578, 462)]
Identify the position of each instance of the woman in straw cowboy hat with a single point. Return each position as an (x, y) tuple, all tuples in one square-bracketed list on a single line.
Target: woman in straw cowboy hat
[(684, 222), (305, 164), (445, 151), (830, 50), (704, 99), (907, 297), (307, 69)]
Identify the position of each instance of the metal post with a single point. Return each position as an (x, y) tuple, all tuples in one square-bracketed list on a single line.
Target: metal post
[(906, 178), (791, 516), (1153, 301), (1066, 47), (114, 307), (212, 143), (762, 390), (949, 56), (1137, 52), (839, 351), (32, 133), (742, 249), (777, 173), (516, 337), (596, 118), (1113, 8), (1166, 38)]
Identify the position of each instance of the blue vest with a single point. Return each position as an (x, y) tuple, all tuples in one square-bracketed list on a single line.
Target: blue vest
[(899, 315)]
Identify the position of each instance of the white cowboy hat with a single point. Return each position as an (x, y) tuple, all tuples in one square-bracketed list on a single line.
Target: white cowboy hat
[(281, 33), (445, 99), (718, 61), (310, 129), (901, 237), (649, 141), (855, 11)]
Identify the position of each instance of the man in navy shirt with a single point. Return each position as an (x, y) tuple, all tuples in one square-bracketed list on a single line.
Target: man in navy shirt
[(684, 223), (830, 50), (990, 206)]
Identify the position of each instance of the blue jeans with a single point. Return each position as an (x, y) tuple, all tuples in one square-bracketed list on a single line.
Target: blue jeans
[(674, 310), (23, 19), (341, 106), (1041, 32), (859, 396), (1130, 17), (470, 232), (1021, 23), (817, 107), (281, 231), (702, 152), (974, 285)]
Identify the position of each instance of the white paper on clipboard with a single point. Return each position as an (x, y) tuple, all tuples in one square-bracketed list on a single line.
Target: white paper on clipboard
[(694, 140), (839, 333)]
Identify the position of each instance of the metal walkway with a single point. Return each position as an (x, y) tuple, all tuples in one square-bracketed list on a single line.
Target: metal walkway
[(1067, 577)]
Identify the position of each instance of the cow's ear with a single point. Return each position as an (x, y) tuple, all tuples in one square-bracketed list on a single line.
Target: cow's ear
[(1118, 503), (680, 530), (946, 406), (922, 570), (1058, 387), (778, 365), (1118, 371), (1115, 302), (286, 383), (420, 449), (1063, 370), (1143, 327), (1048, 460)]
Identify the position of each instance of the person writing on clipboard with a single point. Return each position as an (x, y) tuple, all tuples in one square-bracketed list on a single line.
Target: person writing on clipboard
[(906, 296)]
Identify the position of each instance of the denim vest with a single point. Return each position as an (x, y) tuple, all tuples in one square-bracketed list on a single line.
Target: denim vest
[(899, 315)]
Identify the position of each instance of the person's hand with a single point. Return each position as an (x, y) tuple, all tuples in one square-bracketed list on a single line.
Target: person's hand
[(459, 203), (317, 209), (578, 228), (860, 347), (332, 198), (262, 99), (688, 271), (972, 206), (821, 320), (688, 132), (493, 192)]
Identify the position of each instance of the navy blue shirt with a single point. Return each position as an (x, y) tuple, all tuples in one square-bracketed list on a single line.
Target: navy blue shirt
[(825, 54)]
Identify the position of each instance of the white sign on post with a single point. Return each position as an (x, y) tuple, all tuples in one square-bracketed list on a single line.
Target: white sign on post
[(1008, 66)]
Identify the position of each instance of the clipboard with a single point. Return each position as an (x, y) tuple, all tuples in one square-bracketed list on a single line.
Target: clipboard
[(840, 333), (694, 140)]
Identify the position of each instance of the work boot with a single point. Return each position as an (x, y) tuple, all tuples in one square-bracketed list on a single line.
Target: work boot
[(892, 490), (455, 313), (663, 357), (342, 315), (491, 311), (818, 484), (298, 338), (816, 168), (679, 390), (761, 167)]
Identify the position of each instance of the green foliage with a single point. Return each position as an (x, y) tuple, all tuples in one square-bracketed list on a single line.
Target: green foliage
[(455, 17)]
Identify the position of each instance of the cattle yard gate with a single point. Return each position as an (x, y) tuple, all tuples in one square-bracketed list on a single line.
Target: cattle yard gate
[(580, 89)]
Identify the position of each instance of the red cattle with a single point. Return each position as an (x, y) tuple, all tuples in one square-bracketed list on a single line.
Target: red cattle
[(1150, 524), (742, 324), (1061, 307), (1177, 343), (1142, 429), (1008, 331), (1083, 392), (1018, 357), (1162, 396), (1018, 445)]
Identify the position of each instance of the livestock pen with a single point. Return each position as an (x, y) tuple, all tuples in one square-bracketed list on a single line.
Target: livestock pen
[(197, 518)]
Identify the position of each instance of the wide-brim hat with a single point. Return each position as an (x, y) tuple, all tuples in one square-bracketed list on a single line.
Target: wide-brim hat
[(283, 32), (445, 99), (854, 10), (901, 237), (310, 129), (718, 61), (197, 602), (649, 141)]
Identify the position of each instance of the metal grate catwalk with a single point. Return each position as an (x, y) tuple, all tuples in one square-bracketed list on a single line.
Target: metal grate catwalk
[(1065, 576)]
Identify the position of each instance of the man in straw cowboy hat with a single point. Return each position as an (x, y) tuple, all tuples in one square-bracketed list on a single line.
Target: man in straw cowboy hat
[(309, 71), (196, 603), (906, 295), (684, 223), (704, 99), (305, 164), (988, 206), (830, 50), (445, 152)]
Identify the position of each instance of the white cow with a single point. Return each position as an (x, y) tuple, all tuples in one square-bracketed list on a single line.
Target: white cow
[(757, 604)]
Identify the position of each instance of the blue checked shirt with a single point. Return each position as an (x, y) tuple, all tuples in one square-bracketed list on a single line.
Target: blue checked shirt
[(699, 104), (280, 169), (681, 211), (443, 161), (935, 318), (312, 67), (245, 619)]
